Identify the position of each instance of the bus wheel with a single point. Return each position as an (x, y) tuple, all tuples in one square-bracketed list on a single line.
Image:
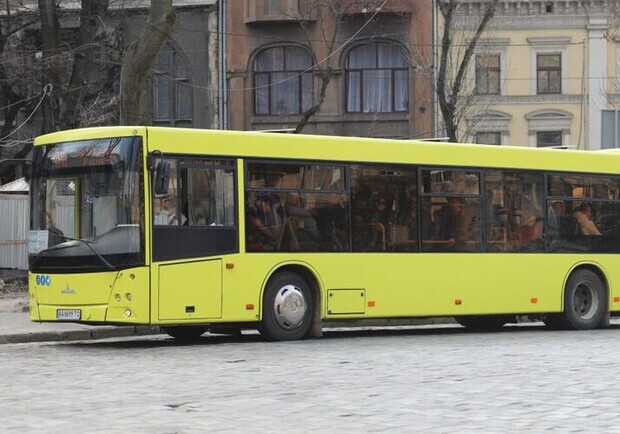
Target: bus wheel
[(184, 333), (482, 322), (287, 308), (585, 301)]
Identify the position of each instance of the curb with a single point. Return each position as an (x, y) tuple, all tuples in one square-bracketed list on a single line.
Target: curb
[(79, 335)]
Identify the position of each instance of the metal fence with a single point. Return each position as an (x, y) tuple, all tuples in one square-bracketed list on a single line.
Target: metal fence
[(14, 211)]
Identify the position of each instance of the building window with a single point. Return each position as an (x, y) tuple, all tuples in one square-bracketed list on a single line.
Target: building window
[(172, 91), (547, 139), (282, 81), (377, 79), (488, 74), (549, 73), (610, 131), (489, 137)]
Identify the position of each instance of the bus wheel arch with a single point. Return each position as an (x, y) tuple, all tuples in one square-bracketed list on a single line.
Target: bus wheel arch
[(287, 289), (586, 299)]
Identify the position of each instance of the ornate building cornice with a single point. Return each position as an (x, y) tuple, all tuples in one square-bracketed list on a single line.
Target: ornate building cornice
[(536, 14)]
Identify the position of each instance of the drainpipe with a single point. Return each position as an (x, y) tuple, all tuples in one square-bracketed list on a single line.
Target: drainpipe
[(434, 56), (222, 81)]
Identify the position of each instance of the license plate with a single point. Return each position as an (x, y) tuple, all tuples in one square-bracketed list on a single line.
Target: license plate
[(69, 314)]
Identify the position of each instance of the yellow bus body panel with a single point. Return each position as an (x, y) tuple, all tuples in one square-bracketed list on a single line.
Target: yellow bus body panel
[(229, 288)]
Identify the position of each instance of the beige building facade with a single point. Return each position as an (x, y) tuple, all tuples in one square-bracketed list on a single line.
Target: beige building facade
[(544, 74)]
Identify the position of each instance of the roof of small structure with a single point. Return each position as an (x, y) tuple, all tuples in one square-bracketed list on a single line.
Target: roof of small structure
[(18, 186)]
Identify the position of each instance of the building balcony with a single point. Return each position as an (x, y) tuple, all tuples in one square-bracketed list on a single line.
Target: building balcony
[(269, 11), (356, 7)]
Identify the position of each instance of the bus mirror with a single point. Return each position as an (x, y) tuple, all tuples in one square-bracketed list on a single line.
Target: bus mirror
[(162, 177)]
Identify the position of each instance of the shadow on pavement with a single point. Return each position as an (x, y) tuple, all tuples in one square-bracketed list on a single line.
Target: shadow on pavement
[(163, 341)]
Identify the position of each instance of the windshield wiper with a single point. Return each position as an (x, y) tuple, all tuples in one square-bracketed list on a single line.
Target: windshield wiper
[(88, 243)]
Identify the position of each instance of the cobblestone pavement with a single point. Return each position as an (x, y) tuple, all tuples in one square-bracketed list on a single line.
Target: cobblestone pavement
[(428, 380)]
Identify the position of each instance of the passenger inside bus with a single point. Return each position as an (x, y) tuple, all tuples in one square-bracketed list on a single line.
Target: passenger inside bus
[(265, 223), (302, 232), (583, 215), (453, 224)]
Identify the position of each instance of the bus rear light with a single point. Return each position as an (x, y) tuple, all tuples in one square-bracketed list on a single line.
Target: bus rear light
[(371, 303), (249, 306), (458, 301), (616, 299), (534, 300)]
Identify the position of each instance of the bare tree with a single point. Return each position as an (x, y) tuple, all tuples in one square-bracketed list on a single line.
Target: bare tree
[(454, 64), (12, 99), (139, 59), (323, 19), (79, 68), (51, 81), (78, 63)]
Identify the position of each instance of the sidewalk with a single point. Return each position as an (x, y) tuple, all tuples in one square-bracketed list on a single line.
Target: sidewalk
[(17, 328)]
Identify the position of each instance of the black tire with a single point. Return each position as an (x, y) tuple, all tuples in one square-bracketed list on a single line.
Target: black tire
[(483, 322), (585, 301), (287, 308), (184, 333)]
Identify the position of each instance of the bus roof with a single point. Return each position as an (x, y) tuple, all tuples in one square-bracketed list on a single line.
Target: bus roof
[(252, 144)]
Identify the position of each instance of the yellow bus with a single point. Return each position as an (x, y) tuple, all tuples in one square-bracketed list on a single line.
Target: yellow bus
[(197, 230)]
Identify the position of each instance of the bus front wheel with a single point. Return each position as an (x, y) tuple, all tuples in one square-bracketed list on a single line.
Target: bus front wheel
[(287, 308), (585, 301)]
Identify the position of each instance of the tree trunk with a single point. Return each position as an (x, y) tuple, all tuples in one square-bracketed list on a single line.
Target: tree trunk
[(50, 37), (91, 18), (139, 59), (449, 94)]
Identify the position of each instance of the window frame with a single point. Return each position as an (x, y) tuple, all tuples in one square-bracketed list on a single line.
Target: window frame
[(484, 73), (298, 75), (496, 134), (543, 86), (539, 141), (178, 77), (179, 239), (348, 71)]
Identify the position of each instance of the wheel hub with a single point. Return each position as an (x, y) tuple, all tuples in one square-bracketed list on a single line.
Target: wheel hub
[(290, 306), (585, 301)]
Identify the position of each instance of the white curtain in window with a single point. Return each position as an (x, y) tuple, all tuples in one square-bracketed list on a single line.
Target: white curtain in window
[(375, 81), (377, 91), (354, 100)]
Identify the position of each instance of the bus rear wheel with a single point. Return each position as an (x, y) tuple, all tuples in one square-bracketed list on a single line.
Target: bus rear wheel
[(482, 322), (287, 308), (184, 333), (585, 301)]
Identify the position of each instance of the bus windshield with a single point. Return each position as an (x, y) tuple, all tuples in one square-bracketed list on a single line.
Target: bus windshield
[(87, 210)]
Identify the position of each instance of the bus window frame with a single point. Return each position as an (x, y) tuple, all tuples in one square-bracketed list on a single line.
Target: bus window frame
[(166, 239)]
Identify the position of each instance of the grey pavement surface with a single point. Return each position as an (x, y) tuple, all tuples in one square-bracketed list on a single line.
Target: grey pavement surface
[(443, 379)]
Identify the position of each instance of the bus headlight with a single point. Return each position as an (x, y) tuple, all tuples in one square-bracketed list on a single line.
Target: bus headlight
[(128, 296), (117, 297), (127, 313)]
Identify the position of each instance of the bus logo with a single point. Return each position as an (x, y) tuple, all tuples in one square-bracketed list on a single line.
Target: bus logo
[(44, 280), (68, 290)]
